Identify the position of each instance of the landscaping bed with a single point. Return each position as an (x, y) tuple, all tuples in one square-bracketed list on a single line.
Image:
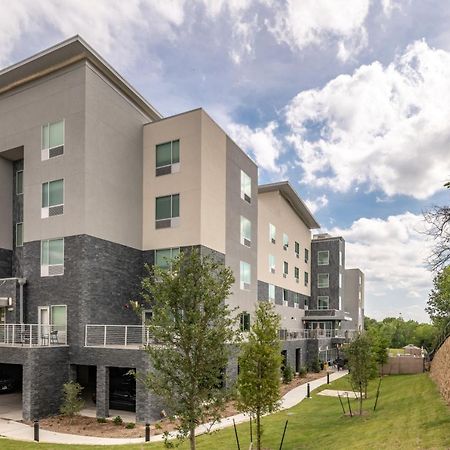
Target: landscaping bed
[(90, 426)]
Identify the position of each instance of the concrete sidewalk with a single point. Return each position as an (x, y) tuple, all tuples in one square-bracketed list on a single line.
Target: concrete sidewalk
[(15, 430)]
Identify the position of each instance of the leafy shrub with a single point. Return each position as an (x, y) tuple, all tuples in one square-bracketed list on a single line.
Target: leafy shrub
[(101, 420), (130, 425), (118, 420), (288, 374), (302, 372), (72, 403), (314, 365)]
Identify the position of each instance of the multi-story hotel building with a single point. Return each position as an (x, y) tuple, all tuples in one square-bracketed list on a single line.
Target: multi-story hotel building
[(94, 183)]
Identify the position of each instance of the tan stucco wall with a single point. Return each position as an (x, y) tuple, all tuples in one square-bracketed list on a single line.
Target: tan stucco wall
[(187, 182), (22, 114), (273, 208)]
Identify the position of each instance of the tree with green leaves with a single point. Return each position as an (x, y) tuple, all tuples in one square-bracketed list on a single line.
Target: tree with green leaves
[(380, 344), (72, 402), (362, 365), (192, 332), (438, 306), (258, 385)]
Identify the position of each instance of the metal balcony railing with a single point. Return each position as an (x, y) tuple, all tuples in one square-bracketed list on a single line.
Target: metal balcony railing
[(32, 335), (116, 336), (287, 335)]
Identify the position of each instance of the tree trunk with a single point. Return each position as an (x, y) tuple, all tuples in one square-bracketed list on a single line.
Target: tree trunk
[(360, 399), (192, 437), (258, 430)]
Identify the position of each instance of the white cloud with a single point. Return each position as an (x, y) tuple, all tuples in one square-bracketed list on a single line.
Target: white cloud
[(385, 126), (261, 143), (311, 22), (392, 255), (317, 203)]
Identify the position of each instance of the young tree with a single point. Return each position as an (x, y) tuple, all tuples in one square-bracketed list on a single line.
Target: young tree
[(439, 301), (192, 332), (258, 385), (361, 363), (380, 344), (72, 402)]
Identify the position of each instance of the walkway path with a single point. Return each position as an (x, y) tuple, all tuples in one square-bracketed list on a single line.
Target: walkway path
[(20, 431)]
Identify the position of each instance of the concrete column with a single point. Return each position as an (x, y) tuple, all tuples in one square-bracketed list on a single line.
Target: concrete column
[(102, 391)]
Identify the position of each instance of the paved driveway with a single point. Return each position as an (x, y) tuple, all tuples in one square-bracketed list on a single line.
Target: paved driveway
[(11, 406)]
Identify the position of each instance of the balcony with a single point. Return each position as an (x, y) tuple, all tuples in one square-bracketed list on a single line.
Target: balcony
[(287, 335), (32, 335), (326, 314), (116, 336)]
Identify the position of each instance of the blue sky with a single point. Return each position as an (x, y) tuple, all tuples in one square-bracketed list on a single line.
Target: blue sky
[(348, 99)]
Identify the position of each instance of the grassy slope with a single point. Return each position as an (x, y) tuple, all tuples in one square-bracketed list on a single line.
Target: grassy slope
[(410, 415)]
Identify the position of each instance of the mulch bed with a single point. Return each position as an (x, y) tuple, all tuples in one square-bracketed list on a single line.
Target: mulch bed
[(88, 426)]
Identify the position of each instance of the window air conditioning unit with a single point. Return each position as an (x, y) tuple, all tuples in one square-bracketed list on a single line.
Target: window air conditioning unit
[(247, 242), (273, 241), (52, 270), (246, 286), (247, 198), (52, 211), (297, 280), (284, 275), (285, 246), (272, 269)]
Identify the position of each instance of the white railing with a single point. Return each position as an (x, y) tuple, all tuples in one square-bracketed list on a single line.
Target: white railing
[(287, 335), (32, 335), (130, 336)]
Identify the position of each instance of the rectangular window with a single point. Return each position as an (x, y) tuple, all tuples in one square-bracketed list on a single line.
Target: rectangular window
[(52, 140), (58, 317), (285, 269), (340, 257), (340, 302), (306, 255), (296, 273), (360, 280), (52, 199), (297, 249), (323, 258), (272, 233), (296, 299), (168, 157), (52, 257), (271, 292), (306, 278), (167, 211), (246, 187), (285, 241), (19, 234), (246, 231), (164, 256), (245, 275), (323, 280), (285, 297), (340, 280), (323, 302), (245, 321), (19, 182), (272, 263)]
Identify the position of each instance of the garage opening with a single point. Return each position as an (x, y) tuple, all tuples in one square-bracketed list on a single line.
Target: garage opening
[(122, 389), (11, 391)]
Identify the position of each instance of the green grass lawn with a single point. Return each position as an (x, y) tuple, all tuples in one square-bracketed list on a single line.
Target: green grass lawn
[(396, 351), (410, 415)]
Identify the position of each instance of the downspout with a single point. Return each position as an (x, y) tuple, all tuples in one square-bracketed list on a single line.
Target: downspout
[(22, 281)]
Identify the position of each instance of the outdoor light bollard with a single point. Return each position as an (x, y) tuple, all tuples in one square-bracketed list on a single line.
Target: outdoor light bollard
[(36, 430), (328, 377), (308, 391), (147, 432)]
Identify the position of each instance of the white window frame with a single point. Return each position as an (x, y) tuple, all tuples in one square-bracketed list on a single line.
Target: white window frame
[(17, 182), (45, 210), (306, 255), (244, 284), (340, 280), (246, 187), (45, 152), (285, 241), (171, 255), (45, 272), (272, 263), (327, 283), (17, 225), (340, 257), (285, 297), (297, 247), (297, 274), (246, 241), (321, 252), (305, 278), (272, 297), (174, 220), (175, 167), (322, 298), (272, 233), (285, 266)]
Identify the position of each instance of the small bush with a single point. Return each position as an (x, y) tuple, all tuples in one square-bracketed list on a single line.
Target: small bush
[(118, 420), (288, 374), (130, 425), (314, 365), (302, 372), (72, 403), (101, 420)]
